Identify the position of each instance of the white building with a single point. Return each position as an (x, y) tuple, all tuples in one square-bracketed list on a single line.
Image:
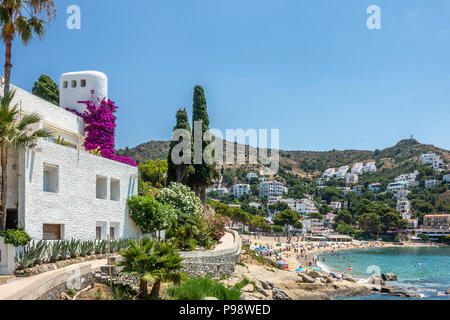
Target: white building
[(370, 167), (251, 175), (342, 171), (63, 192), (404, 207), (290, 202), (315, 226), (397, 186), (329, 173), (273, 199), (216, 188), (409, 178), (271, 188), (358, 168), (240, 189), (351, 178), (374, 187), (413, 224), (402, 194), (446, 178), (357, 189), (305, 206), (431, 183), (336, 205)]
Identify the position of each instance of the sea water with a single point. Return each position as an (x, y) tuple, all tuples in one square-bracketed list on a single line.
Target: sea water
[(423, 270)]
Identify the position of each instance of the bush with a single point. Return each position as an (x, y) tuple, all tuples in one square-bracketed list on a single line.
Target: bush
[(151, 215), (16, 237), (199, 288), (216, 226), (189, 232), (181, 198)]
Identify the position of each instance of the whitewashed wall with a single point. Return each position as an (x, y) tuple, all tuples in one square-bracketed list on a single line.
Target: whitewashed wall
[(75, 205)]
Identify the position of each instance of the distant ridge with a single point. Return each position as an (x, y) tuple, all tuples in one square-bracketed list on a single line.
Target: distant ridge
[(312, 163)]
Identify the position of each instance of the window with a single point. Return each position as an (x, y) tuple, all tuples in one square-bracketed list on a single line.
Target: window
[(115, 190), (83, 83), (111, 233), (101, 187), (98, 233), (74, 83), (65, 84), (52, 231), (50, 180)]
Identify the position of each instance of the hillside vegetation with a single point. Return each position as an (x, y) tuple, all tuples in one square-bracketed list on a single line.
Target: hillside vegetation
[(391, 162)]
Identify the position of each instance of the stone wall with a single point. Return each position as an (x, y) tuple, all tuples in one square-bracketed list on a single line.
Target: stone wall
[(213, 263), (7, 264)]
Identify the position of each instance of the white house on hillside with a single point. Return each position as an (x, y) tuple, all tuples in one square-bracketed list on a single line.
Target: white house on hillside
[(63, 192)]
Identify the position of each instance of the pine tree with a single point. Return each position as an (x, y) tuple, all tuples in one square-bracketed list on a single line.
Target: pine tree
[(46, 89), (179, 173), (203, 173)]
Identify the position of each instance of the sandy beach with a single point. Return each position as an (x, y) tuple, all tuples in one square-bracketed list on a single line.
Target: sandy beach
[(300, 254)]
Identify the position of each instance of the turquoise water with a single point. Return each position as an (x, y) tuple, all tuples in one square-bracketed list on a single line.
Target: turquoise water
[(424, 270)]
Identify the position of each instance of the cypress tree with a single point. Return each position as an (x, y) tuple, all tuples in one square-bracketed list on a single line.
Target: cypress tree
[(203, 173), (179, 172), (46, 89)]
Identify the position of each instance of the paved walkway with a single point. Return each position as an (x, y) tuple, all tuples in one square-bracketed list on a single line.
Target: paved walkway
[(20, 287), (226, 242)]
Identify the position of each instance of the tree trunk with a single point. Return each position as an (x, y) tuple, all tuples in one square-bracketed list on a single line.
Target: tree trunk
[(143, 288), (203, 194), (4, 162), (155, 288), (8, 65)]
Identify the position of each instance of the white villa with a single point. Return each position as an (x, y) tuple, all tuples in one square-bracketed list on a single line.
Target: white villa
[(358, 168), (342, 171), (370, 167), (351, 178), (63, 192), (240, 189), (271, 188)]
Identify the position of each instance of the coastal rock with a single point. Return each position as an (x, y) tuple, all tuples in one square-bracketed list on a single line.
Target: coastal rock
[(376, 279), (389, 277), (448, 291), (306, 278), (317, 274), (349, 278), (264, 293), (266, 285), (278, 294), (248, 288), (210, 298)]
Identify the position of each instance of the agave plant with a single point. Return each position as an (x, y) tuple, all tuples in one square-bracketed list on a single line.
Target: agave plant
[(100, 247), (72, 248), (64, 250), (33, 253), (54, 250), (86, 248)]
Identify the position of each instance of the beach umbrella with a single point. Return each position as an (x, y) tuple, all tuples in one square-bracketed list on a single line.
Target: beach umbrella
[(299, 269), (317, 268), (281, 262)]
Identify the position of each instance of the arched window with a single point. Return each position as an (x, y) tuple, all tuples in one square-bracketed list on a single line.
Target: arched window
[(83, 83), (74, 83)]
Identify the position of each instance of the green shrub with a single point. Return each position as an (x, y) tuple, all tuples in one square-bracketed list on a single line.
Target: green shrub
[(16, 237), (188, 232), (199, 288), (151, 215), (181, 198)]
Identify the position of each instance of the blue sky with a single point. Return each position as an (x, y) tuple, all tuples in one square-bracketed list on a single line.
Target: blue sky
[(309, 68)]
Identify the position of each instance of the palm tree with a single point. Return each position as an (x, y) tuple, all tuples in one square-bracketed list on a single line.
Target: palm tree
[(152, 261), (14, 133), (22, 18)]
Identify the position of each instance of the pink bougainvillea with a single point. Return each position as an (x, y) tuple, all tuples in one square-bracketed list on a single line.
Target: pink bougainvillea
[(100, 127)]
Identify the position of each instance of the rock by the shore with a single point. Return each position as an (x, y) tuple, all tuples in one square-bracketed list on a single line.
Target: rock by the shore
[(266, 285), (248, 288), (349, 278), (376, 279), (210, 298), (448, 291), (278, 294), (306, 278), (389, 277)]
